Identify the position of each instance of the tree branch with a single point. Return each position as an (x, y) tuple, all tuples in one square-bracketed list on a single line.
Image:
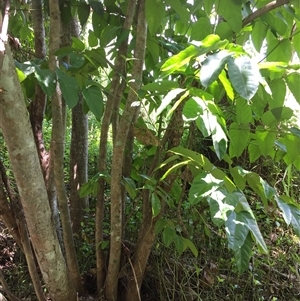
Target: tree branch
[(270, 6)]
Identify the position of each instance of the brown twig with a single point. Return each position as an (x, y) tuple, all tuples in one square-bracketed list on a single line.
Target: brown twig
[(261, 11)]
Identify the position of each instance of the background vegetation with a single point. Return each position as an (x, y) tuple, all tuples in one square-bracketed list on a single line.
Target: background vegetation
[(150, 150)]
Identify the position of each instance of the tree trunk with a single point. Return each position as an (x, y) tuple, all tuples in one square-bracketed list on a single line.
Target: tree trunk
[(24, 159), (78, 156), (125, 123), (57, 148), (112, 105), (37, 111)]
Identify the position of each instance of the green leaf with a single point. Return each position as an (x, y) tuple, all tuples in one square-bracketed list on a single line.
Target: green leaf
[(279, 51), (168, 235), (253, 227), (180, 10), (77, 44), (21, 75), (243, 255), (226, 84), (231, 12), (239, 139), (69, 88), (180, 59), (244, 76), (266, 139), (224, 31), (94, 99), (46, 79), (156, 204), (179, 244), (130, 187), (239, 179), (188, 243), (293, 82), (201, 29), (243, 112), (254, 151), (92, 39), (203, 186), (97, 7), (168, 99), (296, 41), (83, 13), (258, 34), (278, 88), (212, 67), (161, 86), (192, 110), (219, 141), (292, 146), (155, 13), (160, 225), (236, 231)]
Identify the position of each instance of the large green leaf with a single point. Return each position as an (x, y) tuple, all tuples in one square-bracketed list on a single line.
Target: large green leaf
[(278, 88), (219, 141), (83, 13), (279, 51), (243, 111), (292, 146), (180, 9), (236, 231), (168, 234), (161, 86), (203, 186), (46, 79), (258, 34), (250, 221), (266, 139), (94, 99), (69, 88), (192, 110), (212, 67), (179, 60), (156, 204), (296, 41), (293, 82), (227, 85), (243, 254), (168, 99), (239, 138), (244, 76), (201, 28), (231, 12), (155, 13)]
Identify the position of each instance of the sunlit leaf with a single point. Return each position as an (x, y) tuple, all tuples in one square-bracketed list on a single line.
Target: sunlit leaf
[(293, 82), (212, 67), (244, 76), (46, 79)]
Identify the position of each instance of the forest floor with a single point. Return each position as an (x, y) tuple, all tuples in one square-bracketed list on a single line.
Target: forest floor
[(210, 276)]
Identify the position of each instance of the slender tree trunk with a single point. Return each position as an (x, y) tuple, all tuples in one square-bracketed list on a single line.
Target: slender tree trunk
[(24, 159), (37, 112), (57, 149), (78, 156), (114, 98), (126, 120)]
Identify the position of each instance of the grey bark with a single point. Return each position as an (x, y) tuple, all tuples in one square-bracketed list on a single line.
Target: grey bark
[(17, 132)]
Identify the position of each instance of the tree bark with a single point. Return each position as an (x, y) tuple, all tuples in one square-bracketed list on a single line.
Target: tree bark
[(58, 147), (126, 120), (113, 100), (23, 155), (78, 156)]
